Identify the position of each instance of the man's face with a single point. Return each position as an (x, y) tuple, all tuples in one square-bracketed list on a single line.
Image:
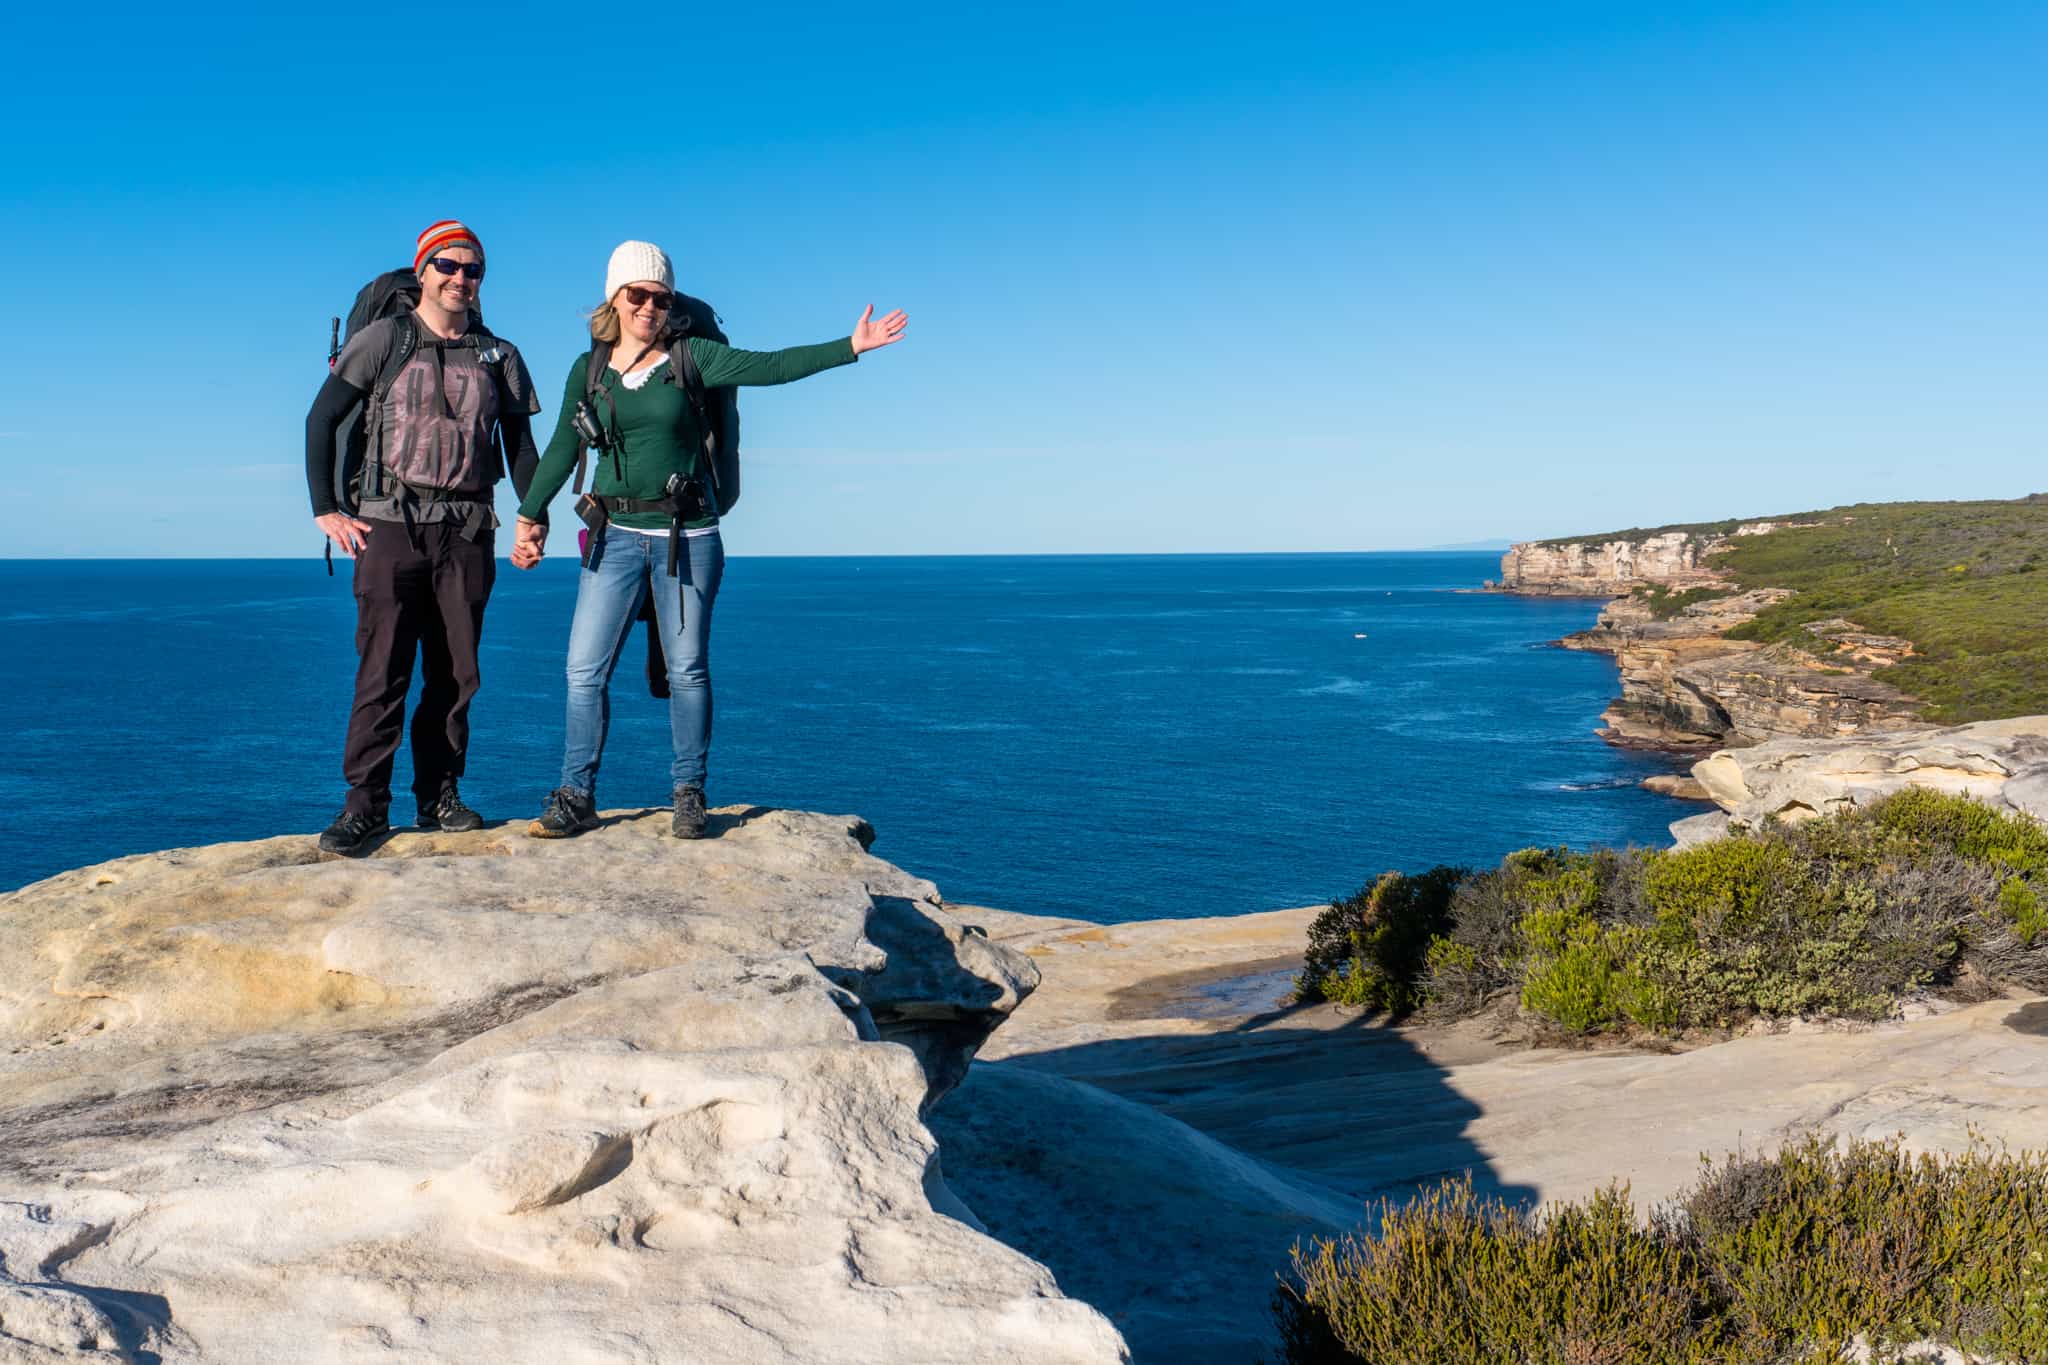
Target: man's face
[(452, 290)]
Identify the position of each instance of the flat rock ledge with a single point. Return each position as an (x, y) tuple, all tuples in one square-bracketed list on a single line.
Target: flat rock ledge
[(2004, 762), (481, 1097)]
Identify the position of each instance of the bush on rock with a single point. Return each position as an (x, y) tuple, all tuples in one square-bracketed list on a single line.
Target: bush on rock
[(1840, 916), (1810, 1255)]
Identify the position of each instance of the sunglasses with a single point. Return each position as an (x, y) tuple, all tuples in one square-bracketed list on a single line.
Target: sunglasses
[(660, 298), (470, 270)]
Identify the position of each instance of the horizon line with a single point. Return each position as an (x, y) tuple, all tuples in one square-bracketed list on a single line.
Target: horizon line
[(858, 554)]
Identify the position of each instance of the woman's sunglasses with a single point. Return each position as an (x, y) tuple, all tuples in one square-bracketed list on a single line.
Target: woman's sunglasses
[(661, 299), (471, 270)]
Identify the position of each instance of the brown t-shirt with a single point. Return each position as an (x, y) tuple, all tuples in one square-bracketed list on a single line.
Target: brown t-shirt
[(437, 419)]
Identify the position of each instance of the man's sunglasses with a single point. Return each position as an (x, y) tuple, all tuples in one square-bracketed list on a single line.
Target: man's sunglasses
[(660, 298), (471, 270)]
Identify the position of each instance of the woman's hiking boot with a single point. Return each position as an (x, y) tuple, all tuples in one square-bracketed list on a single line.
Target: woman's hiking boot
[(689, 821), (567, 812), (353, 831), (450, 812)]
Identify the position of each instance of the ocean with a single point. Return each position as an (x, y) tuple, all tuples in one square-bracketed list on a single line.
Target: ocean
[(1109, 738)]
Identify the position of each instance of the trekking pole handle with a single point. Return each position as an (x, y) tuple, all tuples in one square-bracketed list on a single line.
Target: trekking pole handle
[(333, 341)]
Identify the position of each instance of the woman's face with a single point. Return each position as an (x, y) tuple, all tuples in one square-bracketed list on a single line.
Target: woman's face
[(643, 310)]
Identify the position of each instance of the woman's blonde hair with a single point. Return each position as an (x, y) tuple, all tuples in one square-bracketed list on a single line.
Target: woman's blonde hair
[(604, 325)]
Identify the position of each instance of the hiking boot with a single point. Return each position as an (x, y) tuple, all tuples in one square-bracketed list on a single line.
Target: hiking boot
[(353, 831), (568, 812), (449, 812), (689, 821)]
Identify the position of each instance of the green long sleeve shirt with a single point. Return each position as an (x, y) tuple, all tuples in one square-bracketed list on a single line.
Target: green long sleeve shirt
[(655, 433)]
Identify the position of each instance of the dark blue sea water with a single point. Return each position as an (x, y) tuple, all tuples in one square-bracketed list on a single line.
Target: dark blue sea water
[(1111, 738)]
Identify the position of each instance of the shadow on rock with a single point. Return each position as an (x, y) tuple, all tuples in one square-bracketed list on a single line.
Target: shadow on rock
[(1164, 1178)]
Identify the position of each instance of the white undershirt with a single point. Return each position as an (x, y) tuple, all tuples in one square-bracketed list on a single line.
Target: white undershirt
[(637, 381)]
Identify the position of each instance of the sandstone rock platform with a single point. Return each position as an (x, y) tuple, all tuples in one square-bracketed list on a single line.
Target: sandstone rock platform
[(481, 1097), (625, 1099), (2004, 762)]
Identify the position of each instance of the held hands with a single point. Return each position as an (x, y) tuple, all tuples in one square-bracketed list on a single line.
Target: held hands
[(869, 333), (527, 539), (348, 534)]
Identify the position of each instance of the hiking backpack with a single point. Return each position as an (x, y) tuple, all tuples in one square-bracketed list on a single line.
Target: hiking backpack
[(394, 294), (717, 410)]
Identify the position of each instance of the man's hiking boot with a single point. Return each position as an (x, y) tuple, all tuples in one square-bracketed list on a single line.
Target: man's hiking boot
[(353, 832), (689, 821), (449, 812), (568, 812)]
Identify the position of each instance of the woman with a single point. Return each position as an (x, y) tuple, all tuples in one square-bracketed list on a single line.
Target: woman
[(651, 488)]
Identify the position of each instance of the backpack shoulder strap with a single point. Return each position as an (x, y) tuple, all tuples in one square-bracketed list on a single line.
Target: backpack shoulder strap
[(405, 339), (594, 388), (683, 364), (684, 372), (496, 358)]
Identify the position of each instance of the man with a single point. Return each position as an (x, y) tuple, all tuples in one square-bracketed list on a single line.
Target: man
[(439, 393)]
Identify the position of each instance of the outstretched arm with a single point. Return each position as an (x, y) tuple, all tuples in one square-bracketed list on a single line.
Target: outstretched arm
[(722, 365)]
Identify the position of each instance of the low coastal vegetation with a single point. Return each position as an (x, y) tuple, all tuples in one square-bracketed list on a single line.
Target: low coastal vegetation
[(1841, 916), (1665, 603), (1818, 1254), (1964, 581)]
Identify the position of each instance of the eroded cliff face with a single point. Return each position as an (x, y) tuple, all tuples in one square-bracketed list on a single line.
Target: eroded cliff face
[(1676, 559), (483, 1097), (1684, 684), (2001, 762)]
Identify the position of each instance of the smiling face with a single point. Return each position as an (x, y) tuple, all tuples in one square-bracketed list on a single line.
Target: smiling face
[(643, 308), (454, 293)]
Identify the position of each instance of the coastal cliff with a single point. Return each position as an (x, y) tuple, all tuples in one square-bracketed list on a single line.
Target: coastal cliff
[(484, 1097), (1685, 683), (1607, 568)]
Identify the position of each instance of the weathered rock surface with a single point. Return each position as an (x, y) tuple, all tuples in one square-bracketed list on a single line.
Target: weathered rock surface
[(1699, 829), (1675, 559), (1313, 1112), (2001, 761), (1676, 784), (487, 1098), (1685, 685)]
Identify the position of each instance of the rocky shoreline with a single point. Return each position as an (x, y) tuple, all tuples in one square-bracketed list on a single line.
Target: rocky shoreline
[(767, 1097), (1687, 687)]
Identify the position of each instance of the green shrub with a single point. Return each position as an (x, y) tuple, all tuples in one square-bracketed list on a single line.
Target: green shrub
[(1837, 916), (2022, 906), (1723, 885), (1455, 1278), (1930, 818), (1665, 603), (1778, 1259), (1370, 949)]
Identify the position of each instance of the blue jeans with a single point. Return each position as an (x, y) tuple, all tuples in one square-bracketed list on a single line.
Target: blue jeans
[(618, 573)]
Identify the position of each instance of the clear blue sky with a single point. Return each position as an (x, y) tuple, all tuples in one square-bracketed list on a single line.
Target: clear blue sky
[(1181, 277)]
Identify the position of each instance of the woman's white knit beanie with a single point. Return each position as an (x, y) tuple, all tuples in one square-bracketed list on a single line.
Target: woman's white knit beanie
[(635, 261)]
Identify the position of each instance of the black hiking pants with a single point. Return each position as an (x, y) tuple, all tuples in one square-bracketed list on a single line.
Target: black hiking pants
[(423, 594)]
